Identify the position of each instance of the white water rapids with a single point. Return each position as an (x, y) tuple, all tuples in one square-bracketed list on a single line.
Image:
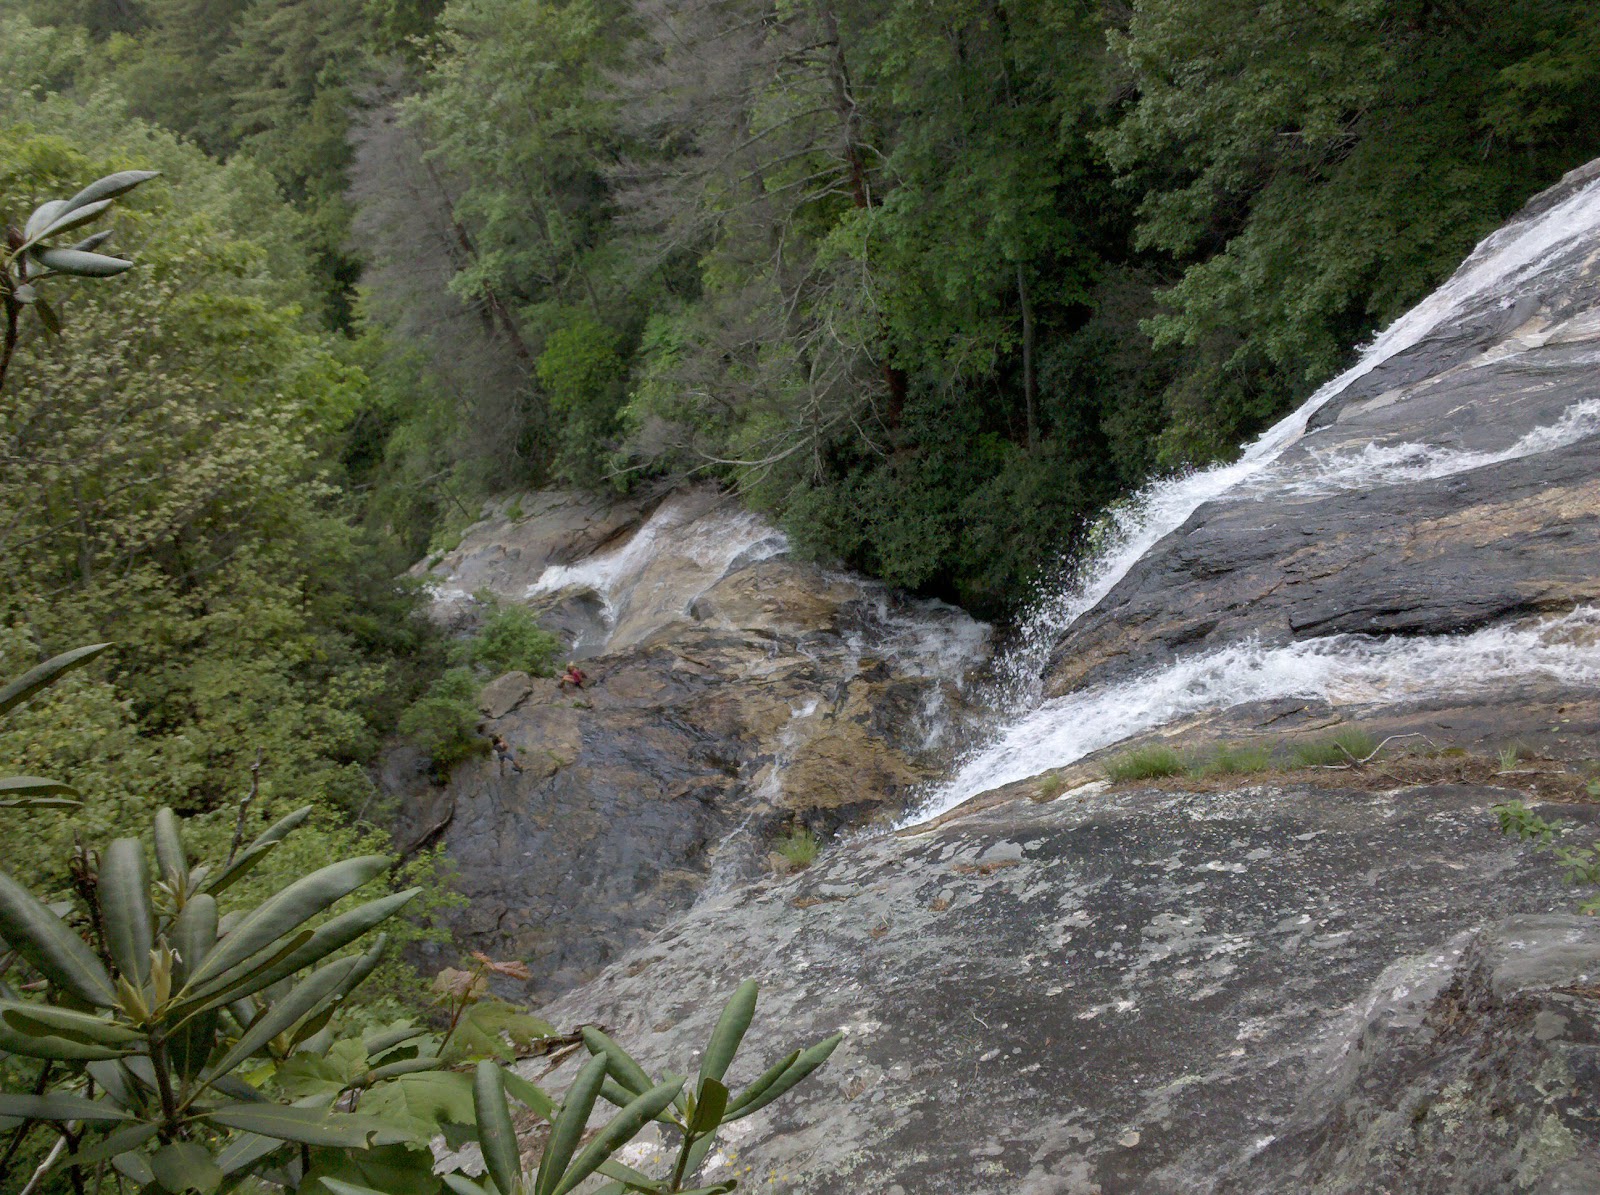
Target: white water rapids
[(1351, 670), (1037, 736), (1376, 465)]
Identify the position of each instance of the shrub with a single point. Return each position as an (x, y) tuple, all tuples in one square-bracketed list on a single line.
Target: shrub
[(1581, 863), (165, 1038), (444, 721), (1146, 763), (511, 640)]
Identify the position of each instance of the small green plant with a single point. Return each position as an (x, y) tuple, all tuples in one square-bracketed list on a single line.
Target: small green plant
[(1049, 788), (693, 1113), (510, 639), (1582, 863), (1507, 757), (1146, 763), (797, 849), (1348, 746), (1234, 759), (443, 722)]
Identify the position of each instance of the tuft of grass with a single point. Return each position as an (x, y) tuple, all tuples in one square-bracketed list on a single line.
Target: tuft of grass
[(1508, 758), (1348, 745), (1049, 788), (1146, 763), (1235, 759), (797, 849)]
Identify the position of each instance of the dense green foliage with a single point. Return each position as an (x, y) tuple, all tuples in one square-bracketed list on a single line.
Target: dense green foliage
[(154, 1031), (931, 283), (172, 484), (934, 283)]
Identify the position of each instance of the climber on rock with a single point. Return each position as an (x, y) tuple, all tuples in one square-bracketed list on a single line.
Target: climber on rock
[(574, 676), (505, 755)]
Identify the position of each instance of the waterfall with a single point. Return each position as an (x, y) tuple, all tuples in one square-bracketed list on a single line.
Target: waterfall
[(1350, 670), (1038, 734), (657, 574)]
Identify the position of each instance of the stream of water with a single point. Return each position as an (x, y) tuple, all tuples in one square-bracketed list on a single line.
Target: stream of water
[(1348, 670), (1035, 734)]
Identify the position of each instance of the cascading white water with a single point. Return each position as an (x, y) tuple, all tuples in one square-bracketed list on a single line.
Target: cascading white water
[(681, 551), (1137, 525), (711, 541), (1037, 736), (1375, 465), (1349, 670)]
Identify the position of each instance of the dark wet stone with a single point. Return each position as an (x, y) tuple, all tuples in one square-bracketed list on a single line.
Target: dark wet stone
[(706, 733)]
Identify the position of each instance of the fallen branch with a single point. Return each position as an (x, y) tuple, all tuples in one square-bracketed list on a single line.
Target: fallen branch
[(427, 838), (1366, 759)]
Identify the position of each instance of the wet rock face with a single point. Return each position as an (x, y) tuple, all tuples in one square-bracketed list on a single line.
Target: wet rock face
[(732, 694), (518, 538), (1269, 990), (1451, 488)]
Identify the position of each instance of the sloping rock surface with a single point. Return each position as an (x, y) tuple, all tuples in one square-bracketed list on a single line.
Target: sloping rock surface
[(1266, 990), (733, 693)]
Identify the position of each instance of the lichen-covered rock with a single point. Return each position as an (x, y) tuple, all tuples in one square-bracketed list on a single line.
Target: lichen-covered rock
[(1263, 990), (1477, 1069)]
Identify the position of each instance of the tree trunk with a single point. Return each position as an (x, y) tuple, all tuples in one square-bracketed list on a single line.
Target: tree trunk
[(860, 190), (1030, 382), (496, 314)]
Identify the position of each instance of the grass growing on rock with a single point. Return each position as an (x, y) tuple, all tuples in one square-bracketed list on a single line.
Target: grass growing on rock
[(1146, 763), (1235, 759), (795, 851), (1350, 744), (1049, 788), (1157, 762)]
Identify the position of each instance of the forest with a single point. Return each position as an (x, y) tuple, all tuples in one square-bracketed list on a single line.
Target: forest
[(930, 283)]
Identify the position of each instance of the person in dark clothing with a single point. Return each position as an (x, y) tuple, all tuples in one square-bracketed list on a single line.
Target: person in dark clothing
[(503, 753)]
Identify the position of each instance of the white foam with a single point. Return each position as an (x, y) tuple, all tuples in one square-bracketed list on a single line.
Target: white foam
[(1375, 465), (1346, 670), (679, 553), (1495, 267)]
